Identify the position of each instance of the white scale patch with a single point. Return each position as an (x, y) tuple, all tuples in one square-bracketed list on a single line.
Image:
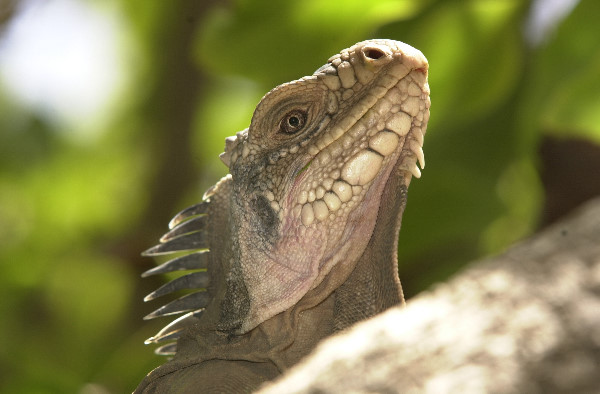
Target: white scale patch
[(357, 147)]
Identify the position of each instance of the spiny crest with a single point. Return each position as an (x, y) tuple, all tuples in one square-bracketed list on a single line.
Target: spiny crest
[(188, 233), (231, 144)]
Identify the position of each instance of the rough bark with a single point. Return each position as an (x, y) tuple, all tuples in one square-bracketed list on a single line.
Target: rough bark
[(527, 321)]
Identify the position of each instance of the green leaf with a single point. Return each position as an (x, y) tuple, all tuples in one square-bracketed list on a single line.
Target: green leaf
[(293, 38), (475, 52), (563, 90)]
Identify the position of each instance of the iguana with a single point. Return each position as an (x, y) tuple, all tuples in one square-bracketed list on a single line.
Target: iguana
[(299, 240)]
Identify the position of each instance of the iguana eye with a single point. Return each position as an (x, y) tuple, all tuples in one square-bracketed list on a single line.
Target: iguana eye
[(292, 122)]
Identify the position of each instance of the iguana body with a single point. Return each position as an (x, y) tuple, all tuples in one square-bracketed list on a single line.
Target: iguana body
[(300, 239)]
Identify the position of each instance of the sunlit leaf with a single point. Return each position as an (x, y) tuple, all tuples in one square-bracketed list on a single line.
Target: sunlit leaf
[(274, 44), (563, 88), (475, 52), (570, 66)]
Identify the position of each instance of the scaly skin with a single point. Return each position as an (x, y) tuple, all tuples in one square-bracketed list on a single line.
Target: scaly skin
[(303, 232)]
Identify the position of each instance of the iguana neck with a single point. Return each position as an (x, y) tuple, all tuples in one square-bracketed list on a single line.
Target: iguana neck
[(370, 287), (375, 277), (351, 292)]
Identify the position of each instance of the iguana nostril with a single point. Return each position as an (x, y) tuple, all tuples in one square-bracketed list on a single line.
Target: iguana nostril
[(373, 53)]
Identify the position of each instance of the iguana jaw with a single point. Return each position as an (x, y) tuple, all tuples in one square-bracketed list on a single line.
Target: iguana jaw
[(353, 169), (320, 190)]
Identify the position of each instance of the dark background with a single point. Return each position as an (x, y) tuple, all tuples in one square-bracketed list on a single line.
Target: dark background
[(512, 145)]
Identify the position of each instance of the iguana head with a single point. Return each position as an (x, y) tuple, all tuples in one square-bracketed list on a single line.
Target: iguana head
[(308, 173)]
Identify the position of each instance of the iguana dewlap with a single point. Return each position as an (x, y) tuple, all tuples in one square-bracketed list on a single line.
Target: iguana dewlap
[(299, 240)]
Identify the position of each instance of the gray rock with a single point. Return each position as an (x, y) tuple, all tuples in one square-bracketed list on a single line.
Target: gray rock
[(527, 321)]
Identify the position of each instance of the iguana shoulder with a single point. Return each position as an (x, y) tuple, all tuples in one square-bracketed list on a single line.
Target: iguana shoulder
[(300, 239)]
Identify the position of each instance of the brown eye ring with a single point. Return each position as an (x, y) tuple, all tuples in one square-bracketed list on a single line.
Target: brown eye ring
[(293, 122)]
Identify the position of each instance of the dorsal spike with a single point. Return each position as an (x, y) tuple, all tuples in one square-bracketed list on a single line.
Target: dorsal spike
[(167, 350), (193, 225), (193, 261), (186, 303), (226, 158), (194, 210), (172, 335), (174, 329), (192, 233), (197, 240), (195, 280)]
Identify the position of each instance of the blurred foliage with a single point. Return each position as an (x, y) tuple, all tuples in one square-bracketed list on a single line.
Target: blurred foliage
[(75, 214)]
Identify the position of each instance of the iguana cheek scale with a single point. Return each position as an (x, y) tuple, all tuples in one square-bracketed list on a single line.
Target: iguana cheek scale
[(303, 230)]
